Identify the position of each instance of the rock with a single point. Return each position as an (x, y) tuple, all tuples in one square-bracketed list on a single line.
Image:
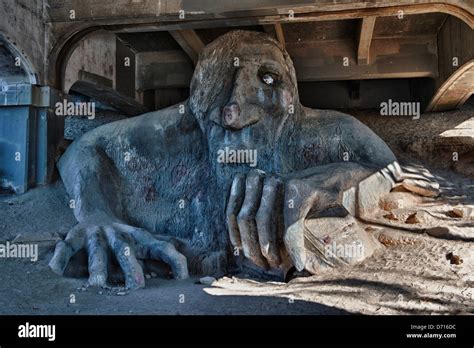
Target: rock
[(389, 241), (465, 212), (421, 187), (454, 259), (398, 200), (412, 219), (459, 211), (370, 229), (147, 276), (121, 293), (390, 216), (371, 190), (399, 188), (154, 275), (335, 242), (453, 214), (207, 280), (438, 231)]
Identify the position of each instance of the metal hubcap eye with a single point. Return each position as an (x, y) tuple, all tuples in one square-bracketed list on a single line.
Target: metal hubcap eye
[(268, 79)]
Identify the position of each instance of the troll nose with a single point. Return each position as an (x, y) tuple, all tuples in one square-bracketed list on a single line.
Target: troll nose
[(231, 116)]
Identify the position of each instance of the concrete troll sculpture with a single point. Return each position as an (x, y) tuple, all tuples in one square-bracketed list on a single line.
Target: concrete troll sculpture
[(227, 179)]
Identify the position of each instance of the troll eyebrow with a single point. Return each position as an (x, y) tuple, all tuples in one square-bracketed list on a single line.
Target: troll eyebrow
[(270, 66)]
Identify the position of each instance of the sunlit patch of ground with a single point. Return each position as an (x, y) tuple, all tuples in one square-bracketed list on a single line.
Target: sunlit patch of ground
[(412, 277)]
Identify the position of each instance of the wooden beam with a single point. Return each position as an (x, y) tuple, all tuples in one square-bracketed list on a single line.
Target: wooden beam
[(455, 90), (408, 57), (365, 39), (163, 69), (276, 31), (66, 34), (230, 11), (455, 48), (455, 82), (466, 17), (109, 96), (279, 34), (190, 42)]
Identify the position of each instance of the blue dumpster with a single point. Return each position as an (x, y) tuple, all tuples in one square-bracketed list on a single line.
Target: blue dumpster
[(29, 136)]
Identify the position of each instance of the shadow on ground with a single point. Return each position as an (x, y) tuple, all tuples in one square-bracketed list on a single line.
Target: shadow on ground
[(32, 289)]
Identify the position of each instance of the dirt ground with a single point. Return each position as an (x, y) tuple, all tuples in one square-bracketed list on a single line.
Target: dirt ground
[(411, 274)]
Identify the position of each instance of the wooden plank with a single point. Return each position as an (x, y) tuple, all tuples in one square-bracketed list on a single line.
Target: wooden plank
[(455, 82), (167, 10), (391, 58), (455, 90), (455, 47), (109, 96), (411, 25), (163, 69), (365, 39), (66, 34), (189, 42), (321, 31), (299, 18), (276, 31), (279, 34)]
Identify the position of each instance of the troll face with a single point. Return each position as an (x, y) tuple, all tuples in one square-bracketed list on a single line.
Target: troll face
[(244, 93)]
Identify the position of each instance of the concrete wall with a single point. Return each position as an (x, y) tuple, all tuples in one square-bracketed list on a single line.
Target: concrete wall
[(10, 72), (23, 25), (93, 55)]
